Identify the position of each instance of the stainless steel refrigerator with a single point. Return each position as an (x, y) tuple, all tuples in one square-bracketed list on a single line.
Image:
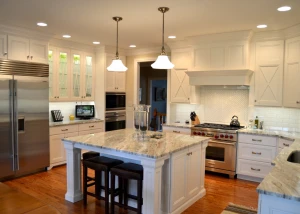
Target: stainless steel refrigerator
[(24, 118)]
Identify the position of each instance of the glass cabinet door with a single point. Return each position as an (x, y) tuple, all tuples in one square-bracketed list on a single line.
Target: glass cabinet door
[(63, 87), (51, 71), (76, 74), (88, 73)]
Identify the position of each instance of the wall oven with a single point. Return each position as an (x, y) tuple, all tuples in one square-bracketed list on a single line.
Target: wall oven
[(115, 101), (115, 120)]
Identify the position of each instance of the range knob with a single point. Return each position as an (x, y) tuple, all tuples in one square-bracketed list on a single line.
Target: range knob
[(203, 134), (221, 136), (226, 136), (199, 133), (194, 133), (231, 137), (216, 136)]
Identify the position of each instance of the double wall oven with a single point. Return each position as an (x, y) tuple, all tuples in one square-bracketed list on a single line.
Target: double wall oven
[(115, 111), (221, 149)]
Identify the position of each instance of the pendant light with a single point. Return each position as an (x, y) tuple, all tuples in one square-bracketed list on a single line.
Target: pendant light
[(162, 61), (117, 64)]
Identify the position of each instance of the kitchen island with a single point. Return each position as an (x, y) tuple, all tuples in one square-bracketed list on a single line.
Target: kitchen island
[(174, 166)]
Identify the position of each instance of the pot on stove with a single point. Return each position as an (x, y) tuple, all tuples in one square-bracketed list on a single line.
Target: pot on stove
[(235, 121)]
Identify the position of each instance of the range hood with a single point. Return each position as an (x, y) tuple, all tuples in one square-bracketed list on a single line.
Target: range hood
[(220, 77)]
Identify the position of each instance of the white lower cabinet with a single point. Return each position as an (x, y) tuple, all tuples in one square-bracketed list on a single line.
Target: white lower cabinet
[(255, 155), (177, 130), (57, 150), (283, 143), (277, 205), (186, 174)]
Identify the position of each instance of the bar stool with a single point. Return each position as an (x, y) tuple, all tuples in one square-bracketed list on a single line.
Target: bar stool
[(86, 156), (125, 172), (98, 164)]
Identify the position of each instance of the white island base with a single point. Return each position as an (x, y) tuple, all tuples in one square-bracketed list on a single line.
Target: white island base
[(171, 184)]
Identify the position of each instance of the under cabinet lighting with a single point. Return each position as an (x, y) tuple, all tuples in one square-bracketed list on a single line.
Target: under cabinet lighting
[(96, 43), (67, 36), (172, 37), (41, 24), (284, 8), (262, 26), (132, 46)]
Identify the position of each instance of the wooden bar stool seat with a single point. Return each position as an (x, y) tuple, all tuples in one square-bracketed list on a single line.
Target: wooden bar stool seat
[(125, 172), (99, 164)]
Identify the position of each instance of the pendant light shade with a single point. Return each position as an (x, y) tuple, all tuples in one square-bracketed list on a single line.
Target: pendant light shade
[(162, 61), (117, 64)]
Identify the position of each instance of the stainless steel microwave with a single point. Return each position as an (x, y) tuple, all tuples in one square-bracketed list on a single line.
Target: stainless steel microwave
[(115, 101)]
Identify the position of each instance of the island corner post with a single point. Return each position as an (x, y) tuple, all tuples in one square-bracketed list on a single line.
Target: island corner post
[(151, 184)]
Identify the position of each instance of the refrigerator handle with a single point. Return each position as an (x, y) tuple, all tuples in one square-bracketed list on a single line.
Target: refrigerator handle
[(11, 105), (16, 128)]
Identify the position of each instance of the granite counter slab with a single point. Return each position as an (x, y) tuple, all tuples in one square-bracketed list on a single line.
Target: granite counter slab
[(178, 125), (284, 179), (73, 122), (123, 141)]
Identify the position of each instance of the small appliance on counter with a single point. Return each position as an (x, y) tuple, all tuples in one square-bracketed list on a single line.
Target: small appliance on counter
[(85, 112), (57, 116), (194, 118)]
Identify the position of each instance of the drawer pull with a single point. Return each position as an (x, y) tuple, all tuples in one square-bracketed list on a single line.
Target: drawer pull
[(256, 140), (258, 170), (64, 130), (256, 153), (176, 131), (190, 153), (91, 126), (287, 145)]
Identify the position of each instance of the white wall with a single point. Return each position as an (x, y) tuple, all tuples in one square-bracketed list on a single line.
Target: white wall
[(67, 108)]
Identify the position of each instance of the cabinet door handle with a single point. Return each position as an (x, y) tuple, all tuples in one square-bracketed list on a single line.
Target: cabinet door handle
[(91, 126), (258, 170), (31, 57), (255, 100), (256, 140), (176, 131), (256, 153), (191, 153), (297, 102), (287, 145), (64, 130), (5, 53), (28, 57), (58, 97)]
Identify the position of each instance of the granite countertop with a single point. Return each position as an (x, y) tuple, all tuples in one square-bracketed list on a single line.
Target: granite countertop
[(284, 179), (73, 122), (179, 125), (122, 140)]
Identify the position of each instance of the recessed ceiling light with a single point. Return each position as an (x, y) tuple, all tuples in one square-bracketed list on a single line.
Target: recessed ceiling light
[(132, 46), (96, 43), (262, 26), (284, 8), (67, 36), (172, 37), (41, 24)]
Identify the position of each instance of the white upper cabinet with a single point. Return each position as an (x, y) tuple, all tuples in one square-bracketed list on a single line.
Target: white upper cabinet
[(88, 79), (3, 46), (115, 81), (20, 48), (291, 88), (76, 74), (269, 73), (182, 58)]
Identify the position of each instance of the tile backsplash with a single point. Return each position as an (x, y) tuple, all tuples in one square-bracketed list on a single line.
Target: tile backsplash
[(66, 108)]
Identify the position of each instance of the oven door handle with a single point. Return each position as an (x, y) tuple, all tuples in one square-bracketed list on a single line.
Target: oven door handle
[(222, 142)]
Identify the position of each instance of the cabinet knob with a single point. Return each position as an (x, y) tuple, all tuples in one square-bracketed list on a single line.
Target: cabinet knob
[(5, 53), (28, 57), (254, 100), (57, 97), (297, 102), (31, 57)]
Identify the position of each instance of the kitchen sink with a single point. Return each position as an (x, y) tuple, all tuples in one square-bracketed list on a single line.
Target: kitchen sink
[(294, 157)]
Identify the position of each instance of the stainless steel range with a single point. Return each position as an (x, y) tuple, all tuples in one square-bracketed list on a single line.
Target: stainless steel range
[(221, 150)]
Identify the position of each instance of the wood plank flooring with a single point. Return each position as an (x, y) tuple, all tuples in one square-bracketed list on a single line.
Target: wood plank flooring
[(50, 188)]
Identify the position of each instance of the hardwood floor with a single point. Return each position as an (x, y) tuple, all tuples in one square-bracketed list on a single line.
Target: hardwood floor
[(50, 188)]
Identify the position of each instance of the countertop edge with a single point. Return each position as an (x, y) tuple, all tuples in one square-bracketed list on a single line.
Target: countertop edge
[(74, 122)]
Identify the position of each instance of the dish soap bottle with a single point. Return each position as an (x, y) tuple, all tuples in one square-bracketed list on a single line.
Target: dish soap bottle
[(256, 122)]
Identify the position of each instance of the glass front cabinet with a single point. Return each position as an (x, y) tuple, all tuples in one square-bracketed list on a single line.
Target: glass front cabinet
[(71, 75)]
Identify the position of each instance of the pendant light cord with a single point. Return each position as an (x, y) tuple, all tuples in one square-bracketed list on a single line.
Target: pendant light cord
[(163, 35), (117, 53)]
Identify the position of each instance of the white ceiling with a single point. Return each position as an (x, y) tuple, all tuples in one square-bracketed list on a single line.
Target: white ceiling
[(91, 20)]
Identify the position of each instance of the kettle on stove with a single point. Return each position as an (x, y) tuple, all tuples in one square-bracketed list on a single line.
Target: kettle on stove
[(235, 121)]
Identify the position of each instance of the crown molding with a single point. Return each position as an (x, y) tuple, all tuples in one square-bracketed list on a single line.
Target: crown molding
[(145, 51), (292, 31), (18, 31), (72, 45)]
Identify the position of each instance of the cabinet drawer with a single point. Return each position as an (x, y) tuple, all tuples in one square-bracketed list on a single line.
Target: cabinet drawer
[(89, 126), (253, 168), (63, 129), (257, 139), (92, 131), (282, 143), (256, 152), (177, 130)]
